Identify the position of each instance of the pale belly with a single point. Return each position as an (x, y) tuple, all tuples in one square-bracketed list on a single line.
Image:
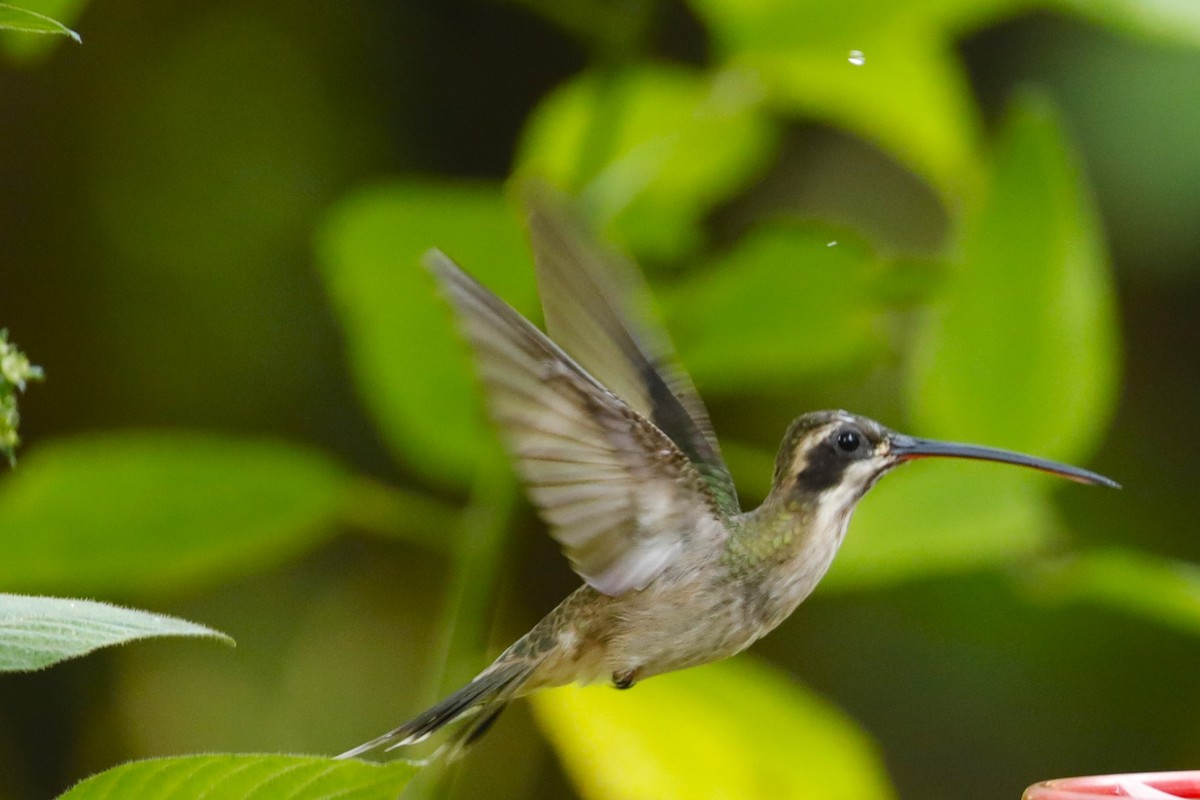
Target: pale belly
[(687, 616), (668, 626)]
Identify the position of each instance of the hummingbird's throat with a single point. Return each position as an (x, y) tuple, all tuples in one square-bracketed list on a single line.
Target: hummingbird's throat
[(856, 478)]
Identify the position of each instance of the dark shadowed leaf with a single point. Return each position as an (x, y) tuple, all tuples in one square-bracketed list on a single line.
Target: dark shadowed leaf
[(1162, 590), (36, 632), (247, 777)]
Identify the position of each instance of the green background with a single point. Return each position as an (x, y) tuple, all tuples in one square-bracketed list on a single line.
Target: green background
[(256, 415)]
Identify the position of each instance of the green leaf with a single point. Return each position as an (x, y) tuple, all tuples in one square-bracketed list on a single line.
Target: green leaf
[(250, 777), (929, 519), (409, 363), (651, 149), (736, 728), (135, 512), (26, 21), (1159, 589), (783, 306), (36, 632), (1022, 350), (908, 95)]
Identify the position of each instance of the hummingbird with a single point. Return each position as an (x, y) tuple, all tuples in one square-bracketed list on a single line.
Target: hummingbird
[(619, 458)]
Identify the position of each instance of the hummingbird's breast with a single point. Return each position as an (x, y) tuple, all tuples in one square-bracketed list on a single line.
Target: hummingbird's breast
[(702, 608), (689, 615)]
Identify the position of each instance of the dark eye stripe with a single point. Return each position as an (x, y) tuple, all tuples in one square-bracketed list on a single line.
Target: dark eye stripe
[(822, 470)]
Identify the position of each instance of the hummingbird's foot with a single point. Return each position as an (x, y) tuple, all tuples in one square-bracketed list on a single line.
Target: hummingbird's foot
[(626, 679)]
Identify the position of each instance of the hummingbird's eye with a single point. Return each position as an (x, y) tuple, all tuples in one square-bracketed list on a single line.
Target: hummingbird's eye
[(848, 441)]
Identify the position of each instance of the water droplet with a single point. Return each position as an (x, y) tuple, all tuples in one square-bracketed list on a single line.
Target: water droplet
[(857, 58), (831, 244)]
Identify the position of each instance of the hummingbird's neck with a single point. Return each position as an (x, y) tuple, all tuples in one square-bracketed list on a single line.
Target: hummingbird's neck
[(783, 548)]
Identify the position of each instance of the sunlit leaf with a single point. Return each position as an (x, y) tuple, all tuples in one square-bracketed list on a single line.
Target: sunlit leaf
[(1162, 590), (249, 777), (1022, 350), (736, 728), (409, 363), (142, 511), (783, 305), (36, 632), (929, 519), (651, 149)]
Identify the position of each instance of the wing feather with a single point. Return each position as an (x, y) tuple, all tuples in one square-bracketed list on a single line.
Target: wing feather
[(597, 308), (618, 494)]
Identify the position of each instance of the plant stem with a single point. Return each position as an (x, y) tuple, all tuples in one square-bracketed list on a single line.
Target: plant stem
[(482, 537), (483, 532)]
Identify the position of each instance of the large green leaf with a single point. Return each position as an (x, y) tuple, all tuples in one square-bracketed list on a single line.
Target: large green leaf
[(736, 728), (783, 305), (132, 512), (409, 364), (247, 777), (1159, 589), (651, 149), (1022, 350), (36, 632)]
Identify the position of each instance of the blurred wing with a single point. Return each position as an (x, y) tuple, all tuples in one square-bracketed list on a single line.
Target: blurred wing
[(593, 301), (618, 495)]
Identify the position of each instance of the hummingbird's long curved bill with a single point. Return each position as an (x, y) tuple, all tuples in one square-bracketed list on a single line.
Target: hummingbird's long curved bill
[(910, 447)]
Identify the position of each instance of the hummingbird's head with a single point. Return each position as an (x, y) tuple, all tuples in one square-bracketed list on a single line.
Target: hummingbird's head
[(834, 457)]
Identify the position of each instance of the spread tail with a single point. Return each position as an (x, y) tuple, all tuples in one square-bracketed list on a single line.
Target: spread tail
[(483, 699)]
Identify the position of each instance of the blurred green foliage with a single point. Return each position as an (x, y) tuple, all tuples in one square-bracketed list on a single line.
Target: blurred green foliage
[(189, 509), (638, 145), (213, 219)]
